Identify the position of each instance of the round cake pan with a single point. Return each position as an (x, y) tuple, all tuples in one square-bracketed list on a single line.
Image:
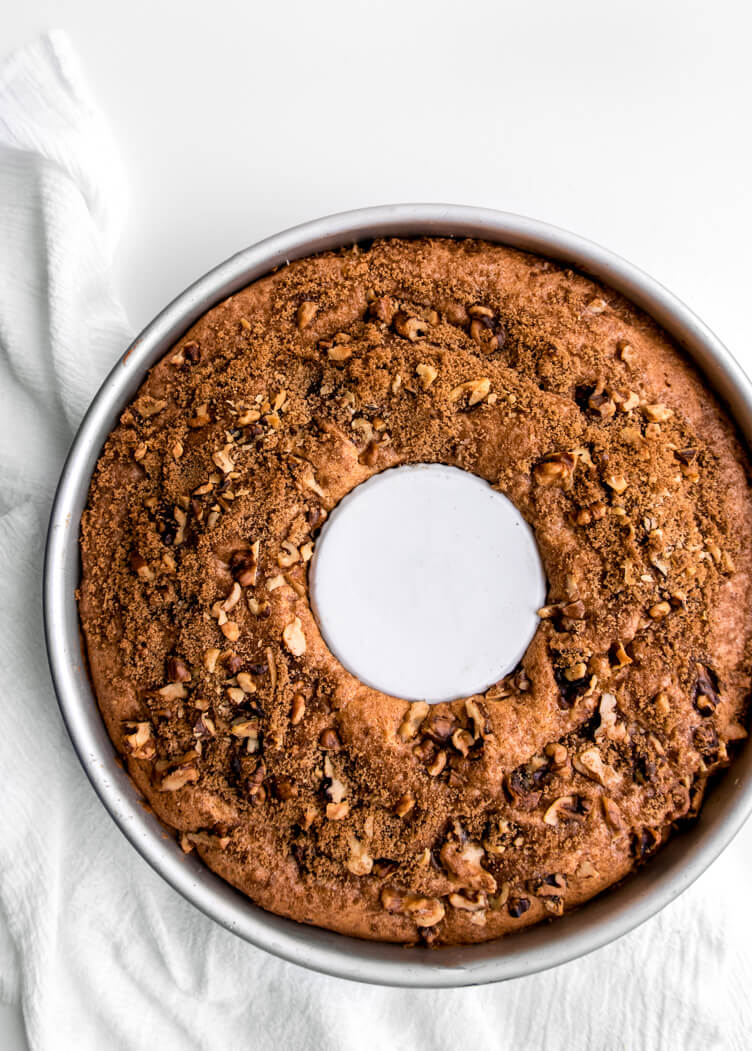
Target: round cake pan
[(594, 924)]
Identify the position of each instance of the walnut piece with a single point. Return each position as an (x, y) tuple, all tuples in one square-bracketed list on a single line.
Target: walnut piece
[(306, 312), (462, 857), (411, 328), (178, 670), (294, 638), (298, 708), (565, 808), (139, 740), (424, 912), (360, 862), (612, 814), (178, 778), (426, 374), (591, 764), (223, 460), (476, 391), (405, 804), (414, 716), (555, 469)]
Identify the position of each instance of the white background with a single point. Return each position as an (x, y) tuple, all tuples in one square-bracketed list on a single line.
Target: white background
[(629, 123)]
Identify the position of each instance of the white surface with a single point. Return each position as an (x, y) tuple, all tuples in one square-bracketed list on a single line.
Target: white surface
[(425, 583), (628, 123), (61, 207)]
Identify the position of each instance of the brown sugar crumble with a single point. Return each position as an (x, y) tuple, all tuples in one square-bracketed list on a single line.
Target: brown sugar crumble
[(320, 798)]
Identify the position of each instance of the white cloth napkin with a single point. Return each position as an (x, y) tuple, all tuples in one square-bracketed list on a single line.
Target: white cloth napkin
[(101, 951)]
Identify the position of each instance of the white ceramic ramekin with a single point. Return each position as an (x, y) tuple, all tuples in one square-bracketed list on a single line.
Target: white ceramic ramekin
[(601, 920)]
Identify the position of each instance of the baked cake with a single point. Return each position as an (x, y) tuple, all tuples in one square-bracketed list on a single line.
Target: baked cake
[(329, 802)]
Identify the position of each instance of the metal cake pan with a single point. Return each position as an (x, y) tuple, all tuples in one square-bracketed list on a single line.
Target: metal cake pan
[(596, 923)]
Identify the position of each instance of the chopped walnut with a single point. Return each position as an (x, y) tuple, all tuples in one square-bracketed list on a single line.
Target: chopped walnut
[(476, 391), (572, 610), (233, 598), (140, 567), (360, 862), (211, 656), (423, 911), (178, 778), (203, 839), (555, 469), (498, 901), (411, 328), (477, 717), (608, 726), (657, 413), (575, 672), (586, 870), (706, 697), (204, 726), (463, 741), (335, 789), (620, 656), (405, 804), (201, 417), (259, 609), (329, 739), (174, 691), (308, 479), (426, 374), (383, 309), (565, 808), (139, 740), (414, 716), (601, 403), (588, 515), (147, 406), (247, 730), (245, 682), (178, 670), (612, 814), (337, 811), (550, 886), (231, 631), (289, 555), (617, 482), (437, 764), (306, 313), (298, 709), (557, 755), (294, 638), (462, 858), (469, 902), (591, 764), (223, 460)]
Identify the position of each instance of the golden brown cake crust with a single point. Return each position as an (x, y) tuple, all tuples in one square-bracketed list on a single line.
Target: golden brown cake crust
[(320, 798)]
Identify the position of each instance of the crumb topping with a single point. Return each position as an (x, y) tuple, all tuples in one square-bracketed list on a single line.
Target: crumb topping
[(319, 797)]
